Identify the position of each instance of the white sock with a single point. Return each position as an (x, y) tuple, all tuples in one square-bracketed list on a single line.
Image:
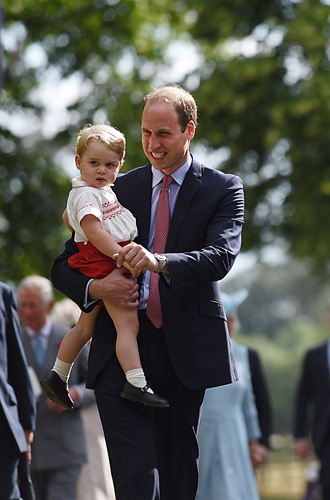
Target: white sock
[(137, 378), (62, 369)]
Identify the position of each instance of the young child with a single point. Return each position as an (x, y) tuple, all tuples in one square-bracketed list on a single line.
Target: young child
[(101, 226)]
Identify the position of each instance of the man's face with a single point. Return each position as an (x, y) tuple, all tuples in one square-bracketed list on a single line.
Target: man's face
[(164, 144), (32, 310)]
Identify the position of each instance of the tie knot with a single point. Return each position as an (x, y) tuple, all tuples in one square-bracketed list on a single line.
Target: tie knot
[(167, 179)]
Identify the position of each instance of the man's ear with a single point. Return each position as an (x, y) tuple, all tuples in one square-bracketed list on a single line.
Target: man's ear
[(191, 130)]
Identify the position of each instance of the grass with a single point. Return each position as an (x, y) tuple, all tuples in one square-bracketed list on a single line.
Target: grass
[(283, 477)]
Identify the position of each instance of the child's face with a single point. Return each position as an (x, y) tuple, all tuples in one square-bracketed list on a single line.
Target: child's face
[(99, 165)]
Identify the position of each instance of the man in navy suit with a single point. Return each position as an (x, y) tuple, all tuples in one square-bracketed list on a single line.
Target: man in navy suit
[(153, 452), (17, 401), (313, 393)]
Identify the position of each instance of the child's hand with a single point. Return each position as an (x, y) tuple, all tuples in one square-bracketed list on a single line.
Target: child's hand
[(135, 273)]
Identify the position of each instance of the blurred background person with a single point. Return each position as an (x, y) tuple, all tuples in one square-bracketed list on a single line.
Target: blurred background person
[(95, 481), (17, 403), (59, 448), (259, 385), (312, 411), (263, 404), (229, 430)]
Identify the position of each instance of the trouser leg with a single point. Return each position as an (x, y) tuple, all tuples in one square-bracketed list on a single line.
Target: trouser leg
[(175, 427), (129, 433), (54, 484), (9, 460), (325, 468)]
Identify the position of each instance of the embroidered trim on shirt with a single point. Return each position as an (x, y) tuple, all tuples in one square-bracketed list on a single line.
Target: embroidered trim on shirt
[(107, 208), (85, 206)]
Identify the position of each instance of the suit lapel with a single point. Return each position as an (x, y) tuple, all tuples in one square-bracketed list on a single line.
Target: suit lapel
[(142, 205), (187, 191)]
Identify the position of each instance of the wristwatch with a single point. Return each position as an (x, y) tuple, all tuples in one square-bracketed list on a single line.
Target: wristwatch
[(161, 262)]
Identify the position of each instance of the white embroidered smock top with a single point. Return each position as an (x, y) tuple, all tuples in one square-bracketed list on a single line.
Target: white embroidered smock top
[(115, 219)]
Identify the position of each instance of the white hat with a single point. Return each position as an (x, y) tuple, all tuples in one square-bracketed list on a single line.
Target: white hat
[(232, 301)]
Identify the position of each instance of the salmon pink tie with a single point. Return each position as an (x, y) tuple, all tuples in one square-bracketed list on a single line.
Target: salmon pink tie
[(163, 218)]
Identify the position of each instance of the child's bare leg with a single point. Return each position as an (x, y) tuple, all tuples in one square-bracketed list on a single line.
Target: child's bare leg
[(73, 343), (78, 336), (127, 326), (55, 382)]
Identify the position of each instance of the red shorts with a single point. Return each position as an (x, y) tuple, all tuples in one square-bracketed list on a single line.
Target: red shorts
[(91, 262)]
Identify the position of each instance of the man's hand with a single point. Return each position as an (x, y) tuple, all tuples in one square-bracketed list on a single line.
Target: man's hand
[(29, 438), (302, 448), (139, 258), (55, 407), (117, 288)]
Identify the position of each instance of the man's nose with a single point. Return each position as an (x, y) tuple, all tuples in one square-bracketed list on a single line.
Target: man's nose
[(153, 142)]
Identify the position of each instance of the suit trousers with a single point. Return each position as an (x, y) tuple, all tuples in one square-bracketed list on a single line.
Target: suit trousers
[(9, 460), (153, 452), (325, 467), (56, 484)]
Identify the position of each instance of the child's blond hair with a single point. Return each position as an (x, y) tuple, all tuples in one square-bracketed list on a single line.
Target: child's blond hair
[(104, 133)]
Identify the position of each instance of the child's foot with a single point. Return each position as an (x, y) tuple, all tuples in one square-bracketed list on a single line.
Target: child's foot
[(57, 390), (144, 395)]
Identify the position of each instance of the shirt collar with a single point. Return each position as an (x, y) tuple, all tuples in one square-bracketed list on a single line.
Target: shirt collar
[(44, 330), (178, 175)]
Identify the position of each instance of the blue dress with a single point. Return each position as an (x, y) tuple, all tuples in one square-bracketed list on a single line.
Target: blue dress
[(228, 421)]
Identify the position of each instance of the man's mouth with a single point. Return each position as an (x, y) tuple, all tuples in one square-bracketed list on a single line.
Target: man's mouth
[(158, 155)]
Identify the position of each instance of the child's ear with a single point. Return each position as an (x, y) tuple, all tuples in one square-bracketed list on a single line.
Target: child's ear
[(78, 161), (121, 164)]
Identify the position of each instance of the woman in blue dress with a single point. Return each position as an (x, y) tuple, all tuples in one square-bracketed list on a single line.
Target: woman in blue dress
[(228, 427)]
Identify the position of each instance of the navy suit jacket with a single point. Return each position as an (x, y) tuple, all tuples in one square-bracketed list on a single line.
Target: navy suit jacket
[(16, 394), (203, 241), (314, 392)]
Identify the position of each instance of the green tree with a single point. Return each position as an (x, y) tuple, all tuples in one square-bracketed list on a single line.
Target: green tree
[(263, 93), (112, 49)]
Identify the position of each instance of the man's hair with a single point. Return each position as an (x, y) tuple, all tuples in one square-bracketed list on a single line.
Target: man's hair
[(184, 103), (103, 133), (43, 285)]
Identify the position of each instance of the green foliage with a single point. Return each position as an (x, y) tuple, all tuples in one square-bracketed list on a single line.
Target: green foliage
[(275, 121), (262, 93), (282, 359), (284, 315), (32, 194), (77, 38)]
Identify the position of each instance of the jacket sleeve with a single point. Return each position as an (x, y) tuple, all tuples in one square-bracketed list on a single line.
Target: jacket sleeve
[(304, 397), (262, 398), (69, 281), (221, 237), (18, 375)]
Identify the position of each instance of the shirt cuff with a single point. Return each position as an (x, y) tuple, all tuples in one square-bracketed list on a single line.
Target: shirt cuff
[(87, 301)]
